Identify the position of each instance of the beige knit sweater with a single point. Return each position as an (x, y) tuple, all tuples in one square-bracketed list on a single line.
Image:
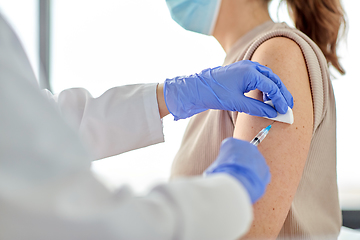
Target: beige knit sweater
[(315, 211)]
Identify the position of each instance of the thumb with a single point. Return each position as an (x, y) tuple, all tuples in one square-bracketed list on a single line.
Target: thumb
[(255, 107)]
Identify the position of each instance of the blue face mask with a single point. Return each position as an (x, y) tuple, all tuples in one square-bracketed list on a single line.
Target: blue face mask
[(195, 15)]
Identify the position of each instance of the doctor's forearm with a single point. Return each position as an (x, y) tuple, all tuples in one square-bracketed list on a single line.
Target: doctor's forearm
[(163, 110)]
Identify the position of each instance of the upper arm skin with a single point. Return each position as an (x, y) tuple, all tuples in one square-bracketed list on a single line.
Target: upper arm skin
[(286, 146)]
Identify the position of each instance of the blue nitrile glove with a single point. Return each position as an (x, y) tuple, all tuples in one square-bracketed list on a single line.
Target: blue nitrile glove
[(223, 88), (244, 162)]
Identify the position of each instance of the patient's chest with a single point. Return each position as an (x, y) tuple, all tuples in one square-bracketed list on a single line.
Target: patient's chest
[(201, 142)]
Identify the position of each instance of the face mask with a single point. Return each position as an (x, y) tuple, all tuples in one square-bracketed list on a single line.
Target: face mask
[(195, 15)]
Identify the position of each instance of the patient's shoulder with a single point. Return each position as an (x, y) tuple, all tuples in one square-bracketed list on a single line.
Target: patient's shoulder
[(284, 56), (279, 49)]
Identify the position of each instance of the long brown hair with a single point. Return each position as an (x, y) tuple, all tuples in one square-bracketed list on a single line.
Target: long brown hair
[(323, 21)]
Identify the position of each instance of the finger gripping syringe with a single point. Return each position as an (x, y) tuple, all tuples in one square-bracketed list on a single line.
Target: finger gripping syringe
[(260, 136)]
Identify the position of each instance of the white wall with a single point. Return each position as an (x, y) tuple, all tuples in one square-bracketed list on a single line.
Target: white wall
[(22, 15)]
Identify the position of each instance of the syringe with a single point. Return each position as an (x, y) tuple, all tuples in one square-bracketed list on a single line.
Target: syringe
[(260, 136)]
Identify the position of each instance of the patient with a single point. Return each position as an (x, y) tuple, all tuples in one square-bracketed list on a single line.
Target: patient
[(301, 201)]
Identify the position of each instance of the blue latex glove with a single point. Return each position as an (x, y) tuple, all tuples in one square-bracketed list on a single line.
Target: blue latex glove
[(245, 163), (223, 88)]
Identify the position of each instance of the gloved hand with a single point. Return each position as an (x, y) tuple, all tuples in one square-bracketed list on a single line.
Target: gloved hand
[(223, 88), (244, 162)]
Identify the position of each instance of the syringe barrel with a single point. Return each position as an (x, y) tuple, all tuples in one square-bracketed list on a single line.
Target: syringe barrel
[(255, 141), (259, 137)]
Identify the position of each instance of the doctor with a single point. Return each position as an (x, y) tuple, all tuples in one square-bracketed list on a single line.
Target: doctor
[(47, 190)]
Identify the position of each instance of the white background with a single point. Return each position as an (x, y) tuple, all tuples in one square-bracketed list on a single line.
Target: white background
[(100, 44)]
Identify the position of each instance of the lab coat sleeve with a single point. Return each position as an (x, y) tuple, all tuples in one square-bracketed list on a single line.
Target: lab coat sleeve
[(122, 119), (78, 207), (47, 190)]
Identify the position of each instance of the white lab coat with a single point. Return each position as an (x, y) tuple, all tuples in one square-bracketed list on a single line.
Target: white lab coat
[(47, 190)]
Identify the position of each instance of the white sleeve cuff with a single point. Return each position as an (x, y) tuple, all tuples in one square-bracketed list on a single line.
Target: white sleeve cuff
[(152, 114)]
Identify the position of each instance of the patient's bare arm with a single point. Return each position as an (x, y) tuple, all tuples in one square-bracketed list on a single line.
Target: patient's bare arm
[(286, 146)]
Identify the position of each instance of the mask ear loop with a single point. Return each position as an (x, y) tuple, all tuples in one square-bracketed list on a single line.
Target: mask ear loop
[(215, 18)]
